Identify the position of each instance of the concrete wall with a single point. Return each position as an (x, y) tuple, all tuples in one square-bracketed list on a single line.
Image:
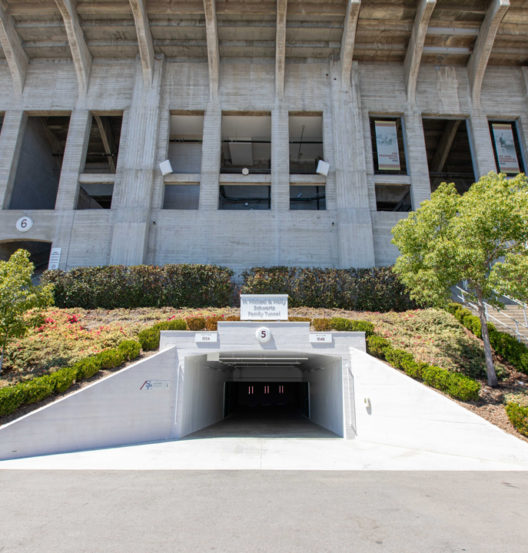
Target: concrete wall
[(349, 232), (120, 409), (200, 396), (326, 396)]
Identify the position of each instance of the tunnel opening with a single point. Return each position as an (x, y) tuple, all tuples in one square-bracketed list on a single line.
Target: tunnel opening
[(39, 252), (252, 394)]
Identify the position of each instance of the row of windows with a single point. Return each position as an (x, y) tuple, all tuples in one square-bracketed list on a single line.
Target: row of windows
[(246, 151)]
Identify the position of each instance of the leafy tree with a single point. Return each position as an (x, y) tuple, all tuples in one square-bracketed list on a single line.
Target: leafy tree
[(17, 296), (480, 237)]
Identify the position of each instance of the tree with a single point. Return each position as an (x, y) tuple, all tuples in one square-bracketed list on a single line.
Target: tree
[(480, 237), (17, 296)]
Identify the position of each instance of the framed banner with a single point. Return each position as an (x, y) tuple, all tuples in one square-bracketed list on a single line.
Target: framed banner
[(387, 145), (505, 148)]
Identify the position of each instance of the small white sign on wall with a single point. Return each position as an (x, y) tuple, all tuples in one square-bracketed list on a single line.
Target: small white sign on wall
[(24, 224), (208, 337), (54, 259), (263, 307), (320, 338), (154, 385)]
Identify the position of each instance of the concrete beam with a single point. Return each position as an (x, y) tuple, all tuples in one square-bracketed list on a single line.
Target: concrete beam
[(105, 131), (146, 48), (348, 40), (17, 59), (444, 145), (280, 49), (482, 50), (411, 65), (213, 49), (82, 59)]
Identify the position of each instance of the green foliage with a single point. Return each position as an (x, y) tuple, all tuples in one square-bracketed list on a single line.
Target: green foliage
[(377, 345), (11, 398), (63, 379), (377, 289), (340, 323), (142, 286), (504, 344), (397, 357), (110, 358), (37, 389), (17, 296), (480, 237), (130, 349), (518, 416), (86, 368), (149, 339)]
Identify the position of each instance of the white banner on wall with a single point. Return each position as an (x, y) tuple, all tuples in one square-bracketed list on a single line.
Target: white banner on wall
[(505, 147), (54, 259), (387, 145), (264, 307)]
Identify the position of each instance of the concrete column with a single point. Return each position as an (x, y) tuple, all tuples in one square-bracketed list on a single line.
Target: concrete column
[(354, 225), (481, 146), (280, 158), (131, 201), (10, 144), (74, 157), (416, 154), (211, 147)]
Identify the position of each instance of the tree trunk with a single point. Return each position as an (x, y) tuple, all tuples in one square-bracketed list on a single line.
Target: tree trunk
[(490, 368)]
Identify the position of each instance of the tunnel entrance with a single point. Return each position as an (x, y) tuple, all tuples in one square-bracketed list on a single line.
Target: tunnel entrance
[(266, 398)]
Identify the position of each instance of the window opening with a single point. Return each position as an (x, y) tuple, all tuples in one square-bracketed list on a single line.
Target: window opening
[(39, 253), (306, 197), (393, 197), (506, 147), (185, 142), (181, 196), (448, 153), (244, 197), (306, 142), (246, 143), (388, 146)]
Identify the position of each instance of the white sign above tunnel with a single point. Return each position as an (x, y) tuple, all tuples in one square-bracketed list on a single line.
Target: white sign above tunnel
[(264, 307)]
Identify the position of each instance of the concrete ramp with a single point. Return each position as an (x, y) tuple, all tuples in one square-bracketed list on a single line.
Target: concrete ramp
[(131, 406)]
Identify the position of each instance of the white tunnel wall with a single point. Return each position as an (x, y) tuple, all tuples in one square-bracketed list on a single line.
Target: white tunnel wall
[(326, 396), (200, 396)]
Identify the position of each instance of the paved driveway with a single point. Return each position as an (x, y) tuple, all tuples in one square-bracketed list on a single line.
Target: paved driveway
[(263, 511)]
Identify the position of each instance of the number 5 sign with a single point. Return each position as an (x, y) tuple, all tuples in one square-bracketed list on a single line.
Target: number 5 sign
[(263, 334), (24, 224)]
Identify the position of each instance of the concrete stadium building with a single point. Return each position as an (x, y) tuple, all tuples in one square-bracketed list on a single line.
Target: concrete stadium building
[(296, 132)]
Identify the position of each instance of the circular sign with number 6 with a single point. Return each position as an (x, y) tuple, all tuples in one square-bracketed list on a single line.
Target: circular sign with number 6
[(24, 224), (263, 334)]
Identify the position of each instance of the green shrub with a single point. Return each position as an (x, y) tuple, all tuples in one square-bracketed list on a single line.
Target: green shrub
[(398, 357), (518, 416), (436, 377), (110, 358), (86, 368), (149, 338), (11, 398), (504, 344), (196, 323), (63, 379), (377, 289), (37, 389), (339, 323), (377, 346), (130, 349), (116, 286), (300, 319), (462, 387), (321, 324), (413, 368)]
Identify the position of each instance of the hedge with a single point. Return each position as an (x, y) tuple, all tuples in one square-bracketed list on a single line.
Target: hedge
[(149, 338), (41, 387), (508, 347), (377, 289), (518, 416), (116, 286), (456, 385)]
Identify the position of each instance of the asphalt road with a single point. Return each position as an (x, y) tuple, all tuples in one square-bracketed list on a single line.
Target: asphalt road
[(263, 511)]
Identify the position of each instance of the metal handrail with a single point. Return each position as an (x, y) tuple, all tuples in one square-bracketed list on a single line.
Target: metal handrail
[(518, 335)]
